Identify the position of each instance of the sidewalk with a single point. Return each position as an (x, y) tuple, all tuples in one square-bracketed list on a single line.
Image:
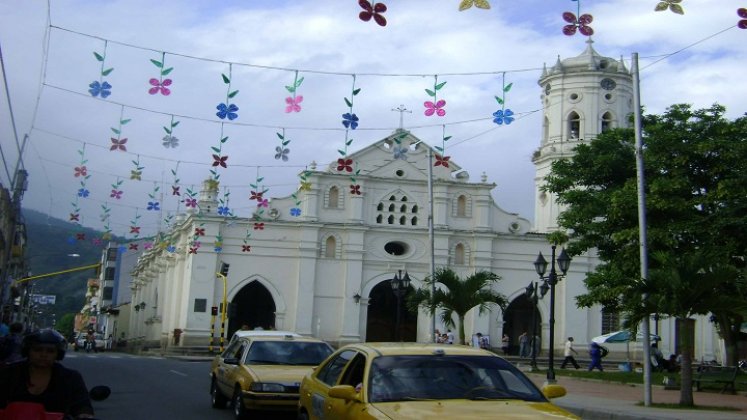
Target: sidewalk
[(591, 399)]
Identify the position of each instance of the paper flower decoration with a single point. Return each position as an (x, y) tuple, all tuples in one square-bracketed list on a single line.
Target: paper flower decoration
[(256, 196), (372, 11), (170, 141), (136, 175), (295, 212), (742, 12), (133, 247), (175, 190), (82, 192), (263, 203), (582, 23), (246, 248), (281, 153), (435, 108), (672, 5), (192, 250), (154, 205), (503, 116), (100, 89), (400, 152), (81, 171), (135, 229), (118, 144), (305, 186), (293, 104), (190, 202), (355, 189), (442, 161), (74, 217), (148, 245), (223, 210), (171, 249), (80, 236), (199, 231), (467, 4), (160, 86), (116, 194), (259, 226), (345, 165), (227, 111), (220, 161), (350, 120)]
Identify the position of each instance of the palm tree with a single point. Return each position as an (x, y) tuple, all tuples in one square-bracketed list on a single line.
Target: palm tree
[(458, 296)]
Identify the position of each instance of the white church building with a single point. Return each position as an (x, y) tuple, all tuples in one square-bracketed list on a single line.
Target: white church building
[(326, 272)]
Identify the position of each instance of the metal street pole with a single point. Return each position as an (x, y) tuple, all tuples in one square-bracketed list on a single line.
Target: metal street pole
[(553, 280)]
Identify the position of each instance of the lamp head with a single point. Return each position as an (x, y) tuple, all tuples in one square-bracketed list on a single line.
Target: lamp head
[(564, 261), (406, 281), (540, 265), (544, 289), (529, 290)]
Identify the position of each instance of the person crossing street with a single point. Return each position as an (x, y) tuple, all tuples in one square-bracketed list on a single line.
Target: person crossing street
[(568, 353)]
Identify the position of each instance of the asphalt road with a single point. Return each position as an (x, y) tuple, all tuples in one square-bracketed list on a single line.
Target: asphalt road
[(147, 388)]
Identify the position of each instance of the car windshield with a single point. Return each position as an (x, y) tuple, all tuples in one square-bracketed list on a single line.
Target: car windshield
[(287, 353), (427, 377)]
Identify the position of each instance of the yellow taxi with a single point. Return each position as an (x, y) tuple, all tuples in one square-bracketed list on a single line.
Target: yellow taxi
[(422, 381), (262, 370)]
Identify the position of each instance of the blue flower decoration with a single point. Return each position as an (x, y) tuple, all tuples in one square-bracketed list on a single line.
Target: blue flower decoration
[(83, 192), (223, 211), (218, 249), (502, 116), (103, 89), (122, 248), (295, 212), (153, 205), (400, 152), (350, 120), (171, 248), (227, 111), (71, 240)]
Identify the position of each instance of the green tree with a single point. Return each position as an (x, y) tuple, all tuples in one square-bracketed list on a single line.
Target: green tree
[(66, 324), (457, 296), (696, 193)]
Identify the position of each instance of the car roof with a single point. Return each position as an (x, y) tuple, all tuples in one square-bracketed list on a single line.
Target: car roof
[(265, 333), (402, 349), (285, 338)]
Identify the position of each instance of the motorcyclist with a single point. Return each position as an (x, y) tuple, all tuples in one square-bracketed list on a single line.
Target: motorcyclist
[(40, 378)]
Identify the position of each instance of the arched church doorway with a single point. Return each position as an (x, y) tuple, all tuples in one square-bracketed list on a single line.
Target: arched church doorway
[(517, 319), (253, 305), (382, 315)]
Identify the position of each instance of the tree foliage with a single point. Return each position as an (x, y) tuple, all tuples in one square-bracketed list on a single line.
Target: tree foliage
[(458, 296)]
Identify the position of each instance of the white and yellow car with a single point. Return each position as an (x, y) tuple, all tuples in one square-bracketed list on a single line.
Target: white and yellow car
[(422, 381), (263, 370)]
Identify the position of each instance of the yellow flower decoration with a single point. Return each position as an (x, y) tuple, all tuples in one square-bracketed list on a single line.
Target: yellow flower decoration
[(480, 4), (305, 186), (136, 175)]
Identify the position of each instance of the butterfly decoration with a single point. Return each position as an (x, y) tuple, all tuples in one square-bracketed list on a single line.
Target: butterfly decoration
[(305, 186), (672, 5), (160, 85), (223, 210), (372, 10), (100, 89), (581, 23), (137, 172), (263, 203), (436, 106), (117, 194), (442, 161), (742, 12), (467, 4), (96, 242), (293, 103), (118, 144), (171, 249)]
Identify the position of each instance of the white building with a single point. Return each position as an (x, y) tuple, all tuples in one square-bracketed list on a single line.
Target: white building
[(325, 272)]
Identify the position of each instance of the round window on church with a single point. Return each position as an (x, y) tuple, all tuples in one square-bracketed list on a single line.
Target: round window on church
[(399, 172), (574, 97), (396, 248)]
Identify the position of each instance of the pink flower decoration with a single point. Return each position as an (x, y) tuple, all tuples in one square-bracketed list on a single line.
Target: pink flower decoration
[(116, 194), (160, 87), (81, 171), (190, 202), (263, 202), (437, 108), (293, 104), (148, 245)]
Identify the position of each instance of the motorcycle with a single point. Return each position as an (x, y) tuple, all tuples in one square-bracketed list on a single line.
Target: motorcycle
[(21, 410)]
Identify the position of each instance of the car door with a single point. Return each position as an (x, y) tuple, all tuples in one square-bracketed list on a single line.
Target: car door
[(353, 375), (226, 374), (325, 378)]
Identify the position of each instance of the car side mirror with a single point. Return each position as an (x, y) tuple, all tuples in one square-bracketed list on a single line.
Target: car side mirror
[(231, 361), (553, 391), (345, 392)]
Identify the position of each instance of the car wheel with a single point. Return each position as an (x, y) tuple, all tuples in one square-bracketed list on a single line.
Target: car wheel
[(216, 398), (238, 405)]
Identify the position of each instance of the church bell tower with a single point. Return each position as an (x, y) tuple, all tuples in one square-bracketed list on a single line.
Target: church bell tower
[(581, 97)]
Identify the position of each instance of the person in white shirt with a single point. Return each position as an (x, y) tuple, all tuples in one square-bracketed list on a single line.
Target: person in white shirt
[(449, 337), (568, 353)]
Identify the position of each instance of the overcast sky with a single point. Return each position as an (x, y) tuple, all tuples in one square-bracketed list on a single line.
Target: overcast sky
[(263, 43)]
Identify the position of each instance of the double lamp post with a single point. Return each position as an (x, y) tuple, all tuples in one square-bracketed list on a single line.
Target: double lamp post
[(400, 284), (540, 265)]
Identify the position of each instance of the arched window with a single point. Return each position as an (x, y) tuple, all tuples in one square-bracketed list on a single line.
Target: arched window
[(380, 207), (390, 220), (391, 207), (415, 208), (379, 219), (574, 125), (414, 221), (403, 220), (459, 254), (330, 247), (461, 206), (334, 197), (403, 208), (607, 123)]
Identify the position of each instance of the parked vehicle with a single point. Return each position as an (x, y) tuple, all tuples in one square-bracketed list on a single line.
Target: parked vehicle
[(261, 370), (80, 342), (411, 380)]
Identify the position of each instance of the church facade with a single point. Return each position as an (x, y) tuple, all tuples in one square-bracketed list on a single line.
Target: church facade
[(321, 262)]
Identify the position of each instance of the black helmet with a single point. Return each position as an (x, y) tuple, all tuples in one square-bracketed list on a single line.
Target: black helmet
[(45, 336)]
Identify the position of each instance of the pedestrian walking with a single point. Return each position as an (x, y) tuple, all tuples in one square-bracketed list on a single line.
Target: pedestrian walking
[(505, 344), (568, 353), (595, 352), (523, 345), (449, 337)]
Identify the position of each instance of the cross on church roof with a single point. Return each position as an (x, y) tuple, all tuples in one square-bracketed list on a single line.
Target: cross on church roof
[(401, 109)]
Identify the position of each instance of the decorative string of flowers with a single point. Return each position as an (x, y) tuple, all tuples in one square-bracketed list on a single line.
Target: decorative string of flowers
[(223, 208), (169, 140), (154, 204), (399, 151), (105, 219), (227, 109), (136, 173), (437, 105), (117, 192), (281, 152), (75, 213), (257, 194), (189, 198), (135, 225), (119, 143), (293, 103), (442, 159), (503, 115), (581, 23), (672, 5), (305, 185), (467, 4), (350, 122), (373, 10), (160, 85), (101, 87), (195, 243), (81, 172), (219, 160), (175, 187)]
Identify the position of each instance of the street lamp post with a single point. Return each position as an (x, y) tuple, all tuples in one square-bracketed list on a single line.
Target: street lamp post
[(540, 265), (399, 287), (535, 292)]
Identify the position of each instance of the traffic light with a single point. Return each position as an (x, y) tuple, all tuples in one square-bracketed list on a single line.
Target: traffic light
[(214, 310), (224, 269)]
